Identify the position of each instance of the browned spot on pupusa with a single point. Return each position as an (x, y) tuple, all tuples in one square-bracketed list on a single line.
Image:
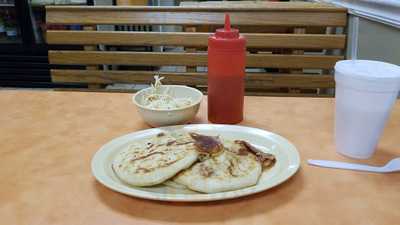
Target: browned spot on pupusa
[(146, 170), (160, 134), (207, 144), (170, 143), (184, 143), (230, 168), (243, 149), (266, 159), (205, 171), (145, 156)]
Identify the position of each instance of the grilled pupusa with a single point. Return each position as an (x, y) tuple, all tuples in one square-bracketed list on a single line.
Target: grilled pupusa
[(230, 166), (156, 160), (203, 163)]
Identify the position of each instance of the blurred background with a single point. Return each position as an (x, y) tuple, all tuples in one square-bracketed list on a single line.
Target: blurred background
[(373, 33)]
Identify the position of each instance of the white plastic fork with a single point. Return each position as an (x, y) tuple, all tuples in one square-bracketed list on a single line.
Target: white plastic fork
[(392, 166)]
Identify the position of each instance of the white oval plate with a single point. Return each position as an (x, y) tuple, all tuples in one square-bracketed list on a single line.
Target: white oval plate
[(287, 163)]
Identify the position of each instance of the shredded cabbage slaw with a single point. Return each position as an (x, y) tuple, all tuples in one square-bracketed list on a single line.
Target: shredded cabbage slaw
[(157, 98)]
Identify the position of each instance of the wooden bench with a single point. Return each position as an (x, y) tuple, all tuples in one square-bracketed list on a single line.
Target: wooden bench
[(292, 15)]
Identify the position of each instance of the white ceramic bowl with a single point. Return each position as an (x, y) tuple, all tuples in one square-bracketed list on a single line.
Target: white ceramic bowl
[(166, 117)]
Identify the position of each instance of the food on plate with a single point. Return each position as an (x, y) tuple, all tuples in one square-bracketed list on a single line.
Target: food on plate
[(225, 172), (155, 160), (207, 146), (181, 160), (162, 98), (240, 165), (266, 159)]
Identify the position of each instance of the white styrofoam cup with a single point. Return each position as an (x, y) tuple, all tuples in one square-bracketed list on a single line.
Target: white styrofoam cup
[(365, 93)]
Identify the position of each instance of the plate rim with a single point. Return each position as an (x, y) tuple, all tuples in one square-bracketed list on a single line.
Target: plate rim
[(191, 197)]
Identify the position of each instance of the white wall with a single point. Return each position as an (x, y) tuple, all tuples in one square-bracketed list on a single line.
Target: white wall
[(374, 29)]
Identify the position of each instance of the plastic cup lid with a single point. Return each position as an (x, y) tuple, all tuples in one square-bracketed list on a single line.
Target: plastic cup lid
[(368, 70)]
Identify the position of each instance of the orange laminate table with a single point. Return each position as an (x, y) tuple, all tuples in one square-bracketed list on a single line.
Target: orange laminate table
[(48, 139)]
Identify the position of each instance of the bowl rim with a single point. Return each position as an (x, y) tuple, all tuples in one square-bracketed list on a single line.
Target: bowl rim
[(198, 101)]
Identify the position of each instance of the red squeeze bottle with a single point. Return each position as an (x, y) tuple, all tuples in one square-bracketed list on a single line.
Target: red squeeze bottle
[(226, 71)]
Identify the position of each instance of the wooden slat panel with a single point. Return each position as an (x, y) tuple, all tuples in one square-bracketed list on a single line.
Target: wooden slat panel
[(253, 80), (259, 6), (264, 18), (282, 94), (91, 48), (127, 58), (247, 93), (188, 59), (132, 2), (306, 41), (292, 61), (190, 50)]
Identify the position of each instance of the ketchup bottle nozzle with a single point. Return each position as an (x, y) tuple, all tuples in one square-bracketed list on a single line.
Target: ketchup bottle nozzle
[(227, 26), (227, 32)]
